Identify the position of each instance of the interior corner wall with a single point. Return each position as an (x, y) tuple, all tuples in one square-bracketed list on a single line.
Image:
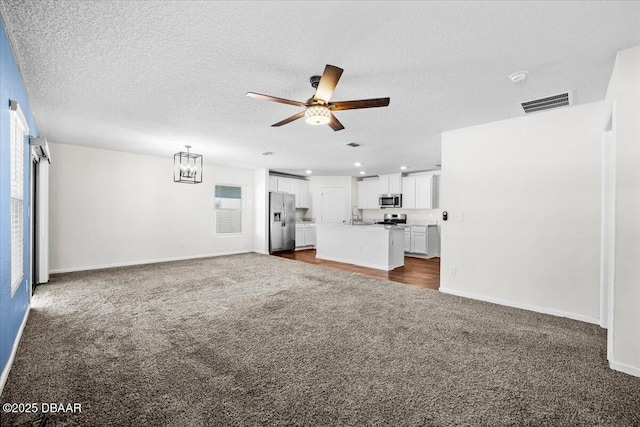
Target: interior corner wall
[(528, 193), (261, 211), (624, 90), (111, 208), (13, 309)]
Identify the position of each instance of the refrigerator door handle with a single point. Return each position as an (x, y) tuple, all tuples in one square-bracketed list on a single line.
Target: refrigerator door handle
[(284, 217)]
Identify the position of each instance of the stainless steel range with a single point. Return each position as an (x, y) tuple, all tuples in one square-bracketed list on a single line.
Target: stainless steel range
[(394, 219)]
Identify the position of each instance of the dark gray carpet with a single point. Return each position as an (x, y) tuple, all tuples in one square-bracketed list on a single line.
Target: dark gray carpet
[(259, 340)]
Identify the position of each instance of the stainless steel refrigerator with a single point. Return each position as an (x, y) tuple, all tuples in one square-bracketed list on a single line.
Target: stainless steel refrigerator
[(282, 222)]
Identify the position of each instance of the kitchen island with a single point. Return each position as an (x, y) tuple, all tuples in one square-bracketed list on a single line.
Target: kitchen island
[(374, 246)]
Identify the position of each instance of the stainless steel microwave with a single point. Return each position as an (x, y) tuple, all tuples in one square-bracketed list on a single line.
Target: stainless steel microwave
[(390, 201)]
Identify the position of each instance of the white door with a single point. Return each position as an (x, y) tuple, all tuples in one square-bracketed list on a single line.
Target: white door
[(334, 205)]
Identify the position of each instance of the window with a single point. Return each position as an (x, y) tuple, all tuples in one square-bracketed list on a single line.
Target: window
[(229, 213), (18, 129)]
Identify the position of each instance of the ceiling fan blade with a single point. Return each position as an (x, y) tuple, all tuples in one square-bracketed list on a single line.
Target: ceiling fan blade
[(328, 83), (275, 99), (335, 123), (362, 103), (289, 120)]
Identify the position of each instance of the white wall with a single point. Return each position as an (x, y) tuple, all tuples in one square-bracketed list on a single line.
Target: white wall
[(113, 208), (624, 89), (261, 211), (316, 183), (528, 190)]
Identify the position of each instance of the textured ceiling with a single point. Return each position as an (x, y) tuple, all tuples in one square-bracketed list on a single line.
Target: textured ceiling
[(151, 76)]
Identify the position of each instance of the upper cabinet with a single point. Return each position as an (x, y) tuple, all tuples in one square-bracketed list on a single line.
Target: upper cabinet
[(304, 197), (419, 192), (409, 192), (368, 192), (297, 187), (284, 185), (424, 192), (391, 183)]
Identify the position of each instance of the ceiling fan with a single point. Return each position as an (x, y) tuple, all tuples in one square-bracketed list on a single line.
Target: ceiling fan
[(318, 109)]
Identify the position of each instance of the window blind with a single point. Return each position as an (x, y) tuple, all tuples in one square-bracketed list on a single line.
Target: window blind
[(228, 205), (18, 130)]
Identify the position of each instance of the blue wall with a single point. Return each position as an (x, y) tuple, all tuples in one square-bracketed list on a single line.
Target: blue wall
[(12, 310)]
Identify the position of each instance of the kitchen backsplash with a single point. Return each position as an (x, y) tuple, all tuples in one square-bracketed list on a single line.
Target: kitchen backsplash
[(412, 214)]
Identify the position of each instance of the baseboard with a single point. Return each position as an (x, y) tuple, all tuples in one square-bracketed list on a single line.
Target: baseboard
[(153, 261), (625, 369), (537, 309), (7, 368)]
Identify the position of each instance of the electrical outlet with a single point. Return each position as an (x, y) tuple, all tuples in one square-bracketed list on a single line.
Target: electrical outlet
[(452, 270), (457, 216)]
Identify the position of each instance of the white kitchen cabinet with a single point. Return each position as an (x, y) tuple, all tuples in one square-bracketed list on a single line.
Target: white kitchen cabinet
[(363, 195), (390, 183), (310, 235), (368, 193), (433, 241), (422, 240), (304, 199), (419, 240), (283, 185), (383, 181), (293, 189), (297, 187), (409, 192), (418, 192), (407, 240), (273, 183), (424, 192), (299, 235), (373, 194), (305, 235)]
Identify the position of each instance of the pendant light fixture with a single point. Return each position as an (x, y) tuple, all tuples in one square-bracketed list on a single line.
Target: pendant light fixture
[(187, 167)]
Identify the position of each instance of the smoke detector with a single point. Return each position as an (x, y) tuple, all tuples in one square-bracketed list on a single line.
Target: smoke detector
[(518, 76)]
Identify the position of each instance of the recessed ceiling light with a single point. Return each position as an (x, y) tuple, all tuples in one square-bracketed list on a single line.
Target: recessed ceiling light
[(267, 153), (403, 168), (518, 76), (362, 172), (308, 171), (357, 164), (353, 144)]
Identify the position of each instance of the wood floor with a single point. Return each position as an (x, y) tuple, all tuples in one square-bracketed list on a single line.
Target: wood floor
[(420, 272)]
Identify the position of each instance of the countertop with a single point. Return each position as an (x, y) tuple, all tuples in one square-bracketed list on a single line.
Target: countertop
[(372, 227)]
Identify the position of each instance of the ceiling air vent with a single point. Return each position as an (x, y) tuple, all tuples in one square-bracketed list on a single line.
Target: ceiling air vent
[(546, 103), (353, 144)]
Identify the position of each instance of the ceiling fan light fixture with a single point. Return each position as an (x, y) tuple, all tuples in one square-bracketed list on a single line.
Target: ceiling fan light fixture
[(317, 115)]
